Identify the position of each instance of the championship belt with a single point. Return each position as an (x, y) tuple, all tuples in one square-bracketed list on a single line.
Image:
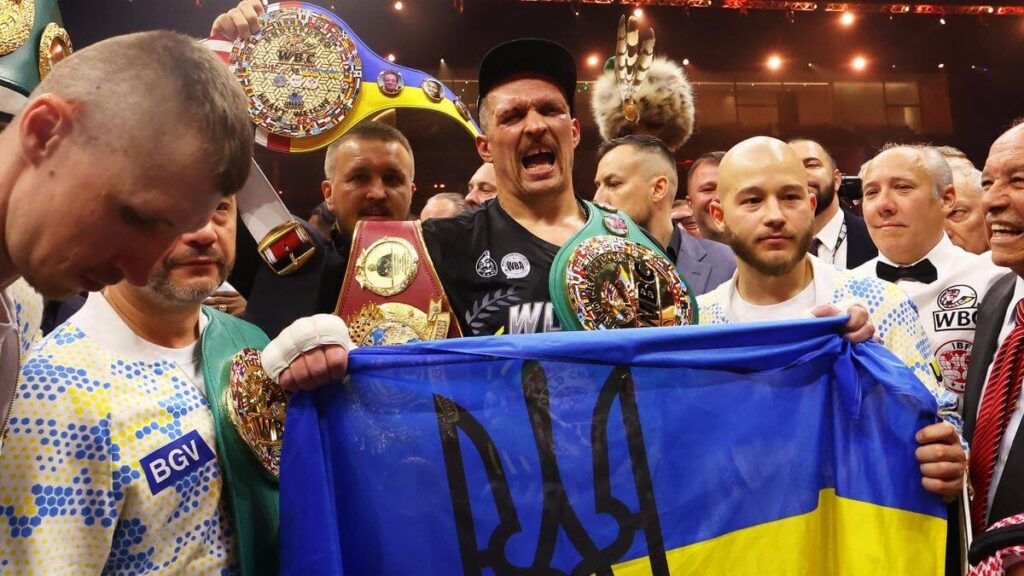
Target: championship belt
[(309, 79), (32, 41), (256, 406), (391, 293), (611, 275), (303, 75)]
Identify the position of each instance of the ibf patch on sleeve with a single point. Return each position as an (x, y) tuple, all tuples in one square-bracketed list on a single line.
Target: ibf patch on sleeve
[(175, 460)]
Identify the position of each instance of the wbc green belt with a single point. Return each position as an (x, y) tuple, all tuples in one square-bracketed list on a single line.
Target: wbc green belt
[(612, 275)]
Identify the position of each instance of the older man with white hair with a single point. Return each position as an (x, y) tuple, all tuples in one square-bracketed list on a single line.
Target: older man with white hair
[(907, 191), (965, 220)]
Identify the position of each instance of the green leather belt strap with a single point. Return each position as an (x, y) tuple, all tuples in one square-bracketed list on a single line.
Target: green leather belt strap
[(612, 275), (253, 491)]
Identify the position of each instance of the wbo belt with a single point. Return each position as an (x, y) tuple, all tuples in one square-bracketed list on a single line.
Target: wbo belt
[(391, 293), (611, 275)]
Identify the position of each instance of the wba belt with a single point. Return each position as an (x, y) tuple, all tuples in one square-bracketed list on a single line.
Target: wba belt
[(391, 293), (611, 275)]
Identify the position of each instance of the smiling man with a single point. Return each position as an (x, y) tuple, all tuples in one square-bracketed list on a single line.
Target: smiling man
[(907, 191), (992, 403)]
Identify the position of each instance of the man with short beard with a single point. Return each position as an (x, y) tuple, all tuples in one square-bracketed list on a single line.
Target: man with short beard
[(767, 215), (840, 238), (127, 405), (368, 175)]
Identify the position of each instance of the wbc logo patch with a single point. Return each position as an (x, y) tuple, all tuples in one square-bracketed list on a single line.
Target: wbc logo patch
[(958, 309), (174, 461)]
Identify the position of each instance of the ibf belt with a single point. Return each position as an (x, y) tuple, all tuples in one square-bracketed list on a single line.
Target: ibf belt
[(391, 293), (611, 275)]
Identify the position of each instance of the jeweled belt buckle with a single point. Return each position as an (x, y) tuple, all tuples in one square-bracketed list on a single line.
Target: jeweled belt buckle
[(256, 406), (287, 247)]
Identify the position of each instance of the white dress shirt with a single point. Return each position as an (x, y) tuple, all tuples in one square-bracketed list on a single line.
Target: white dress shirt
[(949, 305), (833, 248)]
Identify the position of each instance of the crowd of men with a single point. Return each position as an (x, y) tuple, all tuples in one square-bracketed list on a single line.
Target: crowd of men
[(116, 454)]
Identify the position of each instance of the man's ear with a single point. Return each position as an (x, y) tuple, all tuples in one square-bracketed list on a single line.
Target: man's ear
[(659, 188), (483, 148), (328, 192), (717, 214), (837, 179), (43, 125), (575, 133), (814, 202), (948, 198)]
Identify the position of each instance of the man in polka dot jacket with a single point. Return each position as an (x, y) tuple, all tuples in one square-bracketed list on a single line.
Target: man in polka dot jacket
[(118, 459)]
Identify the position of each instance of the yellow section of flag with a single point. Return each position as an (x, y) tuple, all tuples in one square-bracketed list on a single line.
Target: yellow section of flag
[(841, 537)]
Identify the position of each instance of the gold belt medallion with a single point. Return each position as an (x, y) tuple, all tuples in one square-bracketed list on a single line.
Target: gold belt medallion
[(256, 406), (387, 267), (54, 46), (16, 20), (614, 282), (301, 72)]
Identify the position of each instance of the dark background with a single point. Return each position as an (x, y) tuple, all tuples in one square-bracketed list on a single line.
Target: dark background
[(718, 42)]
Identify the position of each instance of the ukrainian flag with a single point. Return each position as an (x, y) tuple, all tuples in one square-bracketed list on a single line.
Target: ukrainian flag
[(760, 449)]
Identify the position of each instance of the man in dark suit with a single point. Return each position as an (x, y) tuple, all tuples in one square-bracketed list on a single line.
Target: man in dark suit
[(637, 175), (992, 402), (840, 238)]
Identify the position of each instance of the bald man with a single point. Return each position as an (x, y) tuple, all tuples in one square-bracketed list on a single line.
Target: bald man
[(767, 215)]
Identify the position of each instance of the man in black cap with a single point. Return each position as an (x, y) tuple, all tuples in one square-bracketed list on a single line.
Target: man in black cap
[(495, 262)]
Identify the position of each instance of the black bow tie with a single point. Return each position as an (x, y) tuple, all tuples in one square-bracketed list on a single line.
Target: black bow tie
[(922, 272)]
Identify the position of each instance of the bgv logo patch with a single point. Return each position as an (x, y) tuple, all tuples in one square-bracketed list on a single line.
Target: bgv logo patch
[(172, 462)]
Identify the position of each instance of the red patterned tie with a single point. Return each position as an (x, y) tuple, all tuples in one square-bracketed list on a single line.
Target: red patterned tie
[(997, 405)]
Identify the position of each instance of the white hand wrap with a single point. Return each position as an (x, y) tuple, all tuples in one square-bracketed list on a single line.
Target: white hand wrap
[(304, 335)]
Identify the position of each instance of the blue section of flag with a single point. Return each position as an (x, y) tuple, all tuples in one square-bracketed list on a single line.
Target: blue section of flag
[(576, 451)]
